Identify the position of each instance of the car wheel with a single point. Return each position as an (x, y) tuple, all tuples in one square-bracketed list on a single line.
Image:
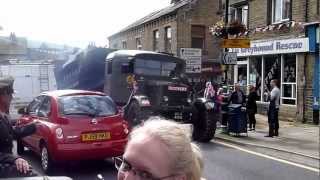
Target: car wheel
[(46, 162), (20, 147), (205, 126)]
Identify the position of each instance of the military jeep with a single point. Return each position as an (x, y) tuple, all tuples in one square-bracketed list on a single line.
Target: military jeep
[(147, 83)]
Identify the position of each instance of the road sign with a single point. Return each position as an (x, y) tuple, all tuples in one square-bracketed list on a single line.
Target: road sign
[(236, 43), (193, 57), (229, 58)]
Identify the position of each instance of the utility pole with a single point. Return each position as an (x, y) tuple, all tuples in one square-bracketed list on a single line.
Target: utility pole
[(226, 19)]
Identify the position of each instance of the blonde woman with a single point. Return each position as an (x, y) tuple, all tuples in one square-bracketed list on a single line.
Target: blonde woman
[(160, 149)]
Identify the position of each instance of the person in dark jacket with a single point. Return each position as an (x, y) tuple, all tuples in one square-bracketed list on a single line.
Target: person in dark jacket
[(252, 107), (10, 164), (237, 97)]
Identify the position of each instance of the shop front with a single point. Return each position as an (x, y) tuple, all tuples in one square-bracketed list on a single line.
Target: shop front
[(273, 59)]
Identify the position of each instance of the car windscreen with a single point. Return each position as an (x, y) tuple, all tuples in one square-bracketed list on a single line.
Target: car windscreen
[(151, 67), (90, 105)]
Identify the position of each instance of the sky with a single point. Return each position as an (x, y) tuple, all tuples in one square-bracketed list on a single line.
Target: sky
[(72, 22)]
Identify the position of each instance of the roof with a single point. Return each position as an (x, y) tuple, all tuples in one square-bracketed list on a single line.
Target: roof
[(67, 92), (132, 53), (157, 14)]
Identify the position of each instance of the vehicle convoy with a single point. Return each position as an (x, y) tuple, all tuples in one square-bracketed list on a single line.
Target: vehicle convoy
[(73, 125), (147, 83)]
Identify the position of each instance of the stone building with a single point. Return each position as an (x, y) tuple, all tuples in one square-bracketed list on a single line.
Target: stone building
[(284, 38), (183, 24)]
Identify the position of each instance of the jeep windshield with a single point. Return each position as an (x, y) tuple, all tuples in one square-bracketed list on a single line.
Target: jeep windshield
[(150, 67)]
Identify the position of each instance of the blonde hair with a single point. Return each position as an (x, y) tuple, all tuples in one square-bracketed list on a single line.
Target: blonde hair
[(186, 157)]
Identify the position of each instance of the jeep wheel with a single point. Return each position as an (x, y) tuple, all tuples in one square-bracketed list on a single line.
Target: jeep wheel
[(133, 114), (204, 127)]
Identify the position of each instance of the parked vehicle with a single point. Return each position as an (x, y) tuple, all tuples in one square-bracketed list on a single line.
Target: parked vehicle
[(85, 71), (148, 83), (73, 125), (30, 79)]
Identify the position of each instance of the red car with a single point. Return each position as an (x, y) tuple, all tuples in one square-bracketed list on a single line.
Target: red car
[(73, 125)]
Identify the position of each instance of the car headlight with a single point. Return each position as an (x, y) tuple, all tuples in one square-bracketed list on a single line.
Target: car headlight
[(165, 98)]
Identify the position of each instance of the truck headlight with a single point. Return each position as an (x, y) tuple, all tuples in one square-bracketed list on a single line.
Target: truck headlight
[(209, 105), (189, 100)]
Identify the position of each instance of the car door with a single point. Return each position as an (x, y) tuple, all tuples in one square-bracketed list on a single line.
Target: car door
[(45, 122), (31, 116)]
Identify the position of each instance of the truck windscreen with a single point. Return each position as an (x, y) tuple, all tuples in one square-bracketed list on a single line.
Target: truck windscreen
[(151, 67)]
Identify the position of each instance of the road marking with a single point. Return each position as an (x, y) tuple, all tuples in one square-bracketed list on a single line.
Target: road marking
[(269, 157)]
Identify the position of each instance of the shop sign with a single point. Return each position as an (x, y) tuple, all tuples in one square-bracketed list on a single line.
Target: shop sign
[(273, 47), (229, 58), (193, 58)]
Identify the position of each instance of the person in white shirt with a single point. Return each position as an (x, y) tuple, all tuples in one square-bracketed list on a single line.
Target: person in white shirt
[(273, 111)]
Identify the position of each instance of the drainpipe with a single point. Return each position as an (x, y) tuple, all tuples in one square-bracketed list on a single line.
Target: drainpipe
[(305, 70), (306, 11)]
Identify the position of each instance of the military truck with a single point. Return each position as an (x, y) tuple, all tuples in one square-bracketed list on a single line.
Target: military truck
[(148, 83)]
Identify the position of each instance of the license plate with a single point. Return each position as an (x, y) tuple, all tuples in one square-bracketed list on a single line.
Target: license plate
[(96, 136)]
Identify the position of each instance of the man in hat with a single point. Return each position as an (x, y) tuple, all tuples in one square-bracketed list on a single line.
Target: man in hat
[(10, 164)]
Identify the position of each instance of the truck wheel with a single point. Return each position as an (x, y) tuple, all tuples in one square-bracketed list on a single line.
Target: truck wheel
[(204, 127), (134, 114), (46, 161), (20, 147)]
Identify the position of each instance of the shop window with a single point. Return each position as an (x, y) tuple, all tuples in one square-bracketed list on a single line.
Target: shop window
[(289, 74), (272, 70), (255, 74), (281, 10), (156, 36), (168, 39)]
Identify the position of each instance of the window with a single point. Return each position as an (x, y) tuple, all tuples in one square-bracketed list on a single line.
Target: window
[(272, 70), (168, 39), (281, 10), (88, 105), (109, 67), (34, 105), (45, 107), (156, 37), (198, 34), (289, 84), (138, 44), (240, 14), (156, 68), (124, 44), (255, 74)]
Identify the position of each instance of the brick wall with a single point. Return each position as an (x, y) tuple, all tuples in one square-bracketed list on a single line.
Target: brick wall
[(203, 12), (258, 18), (313, 12)]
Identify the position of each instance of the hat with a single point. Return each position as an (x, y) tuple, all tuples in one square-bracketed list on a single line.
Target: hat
[(6, 82)]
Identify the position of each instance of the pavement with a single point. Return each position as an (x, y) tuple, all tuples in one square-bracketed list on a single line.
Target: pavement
[(297, 142)]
